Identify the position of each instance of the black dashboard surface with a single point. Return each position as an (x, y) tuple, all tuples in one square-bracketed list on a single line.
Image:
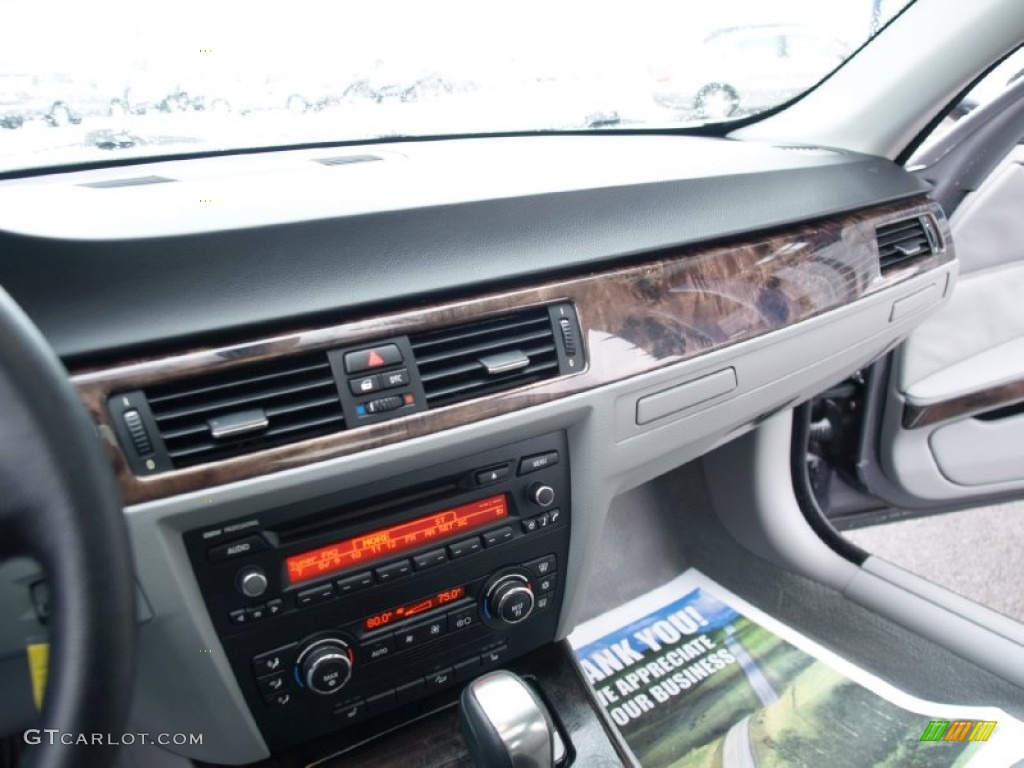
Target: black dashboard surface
[(226, 246)]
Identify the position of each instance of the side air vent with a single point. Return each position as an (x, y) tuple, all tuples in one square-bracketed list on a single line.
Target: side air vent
[(247, 409), (476, 359), (904, 241)]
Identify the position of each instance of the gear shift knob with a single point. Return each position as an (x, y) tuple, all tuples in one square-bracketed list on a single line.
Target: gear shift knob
[(505, 724)]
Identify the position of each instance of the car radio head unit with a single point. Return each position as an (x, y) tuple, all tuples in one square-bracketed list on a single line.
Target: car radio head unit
[(352, 605)]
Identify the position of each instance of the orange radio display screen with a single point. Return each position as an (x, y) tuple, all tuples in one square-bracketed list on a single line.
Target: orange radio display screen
[(395, 539), (414, 609)]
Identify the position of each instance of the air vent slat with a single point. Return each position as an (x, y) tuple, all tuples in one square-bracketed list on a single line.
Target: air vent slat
[(452, 335), (241, 381), (475, 365), (241, 401), (484, 347), (268, 436), (453, 362), (904, 241), (482, 385), (293, 399)]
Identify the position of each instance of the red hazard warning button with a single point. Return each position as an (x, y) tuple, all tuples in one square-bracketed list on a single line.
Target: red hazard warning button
[(375, 357)]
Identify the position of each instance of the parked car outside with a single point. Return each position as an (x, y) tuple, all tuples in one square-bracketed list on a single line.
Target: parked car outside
[(740, 70)]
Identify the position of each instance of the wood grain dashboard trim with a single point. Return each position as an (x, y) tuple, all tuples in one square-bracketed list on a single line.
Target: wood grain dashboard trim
[(652, 313)]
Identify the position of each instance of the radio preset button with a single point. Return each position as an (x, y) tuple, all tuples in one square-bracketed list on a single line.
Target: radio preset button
[(237, 548), (379, 648), (272, 661), (462, 618), (499, 536), (540, 461), (493, 474), (464, 547), (542, 566), (354, 583), (430, 559), (315, 595), (388, 573)]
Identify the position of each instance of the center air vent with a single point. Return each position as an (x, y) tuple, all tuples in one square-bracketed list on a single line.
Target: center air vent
[(246, 409), (467, 361), (904, 241)]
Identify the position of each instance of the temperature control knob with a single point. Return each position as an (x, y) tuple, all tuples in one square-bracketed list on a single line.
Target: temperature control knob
[(510, 599), (540, 494), (325, 666)]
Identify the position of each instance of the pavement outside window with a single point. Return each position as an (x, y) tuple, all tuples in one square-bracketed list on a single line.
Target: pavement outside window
[(977, 553)]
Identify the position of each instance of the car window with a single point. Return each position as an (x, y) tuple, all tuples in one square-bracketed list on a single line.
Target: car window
[(132, 81)]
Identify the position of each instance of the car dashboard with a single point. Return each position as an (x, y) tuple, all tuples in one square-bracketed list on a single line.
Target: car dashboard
[(368, 407)]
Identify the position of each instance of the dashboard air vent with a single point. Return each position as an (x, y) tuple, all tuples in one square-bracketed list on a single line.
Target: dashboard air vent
[(348, 159), (476, 359), (133, 181), (904, 241), (247, 409)]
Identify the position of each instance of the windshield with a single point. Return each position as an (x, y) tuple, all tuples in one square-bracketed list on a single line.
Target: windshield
[(84, 82)]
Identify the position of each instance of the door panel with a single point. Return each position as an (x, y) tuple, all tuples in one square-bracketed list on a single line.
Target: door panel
[(954, 417)]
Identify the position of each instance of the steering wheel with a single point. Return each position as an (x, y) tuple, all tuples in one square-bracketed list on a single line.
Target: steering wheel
[(60, 505)]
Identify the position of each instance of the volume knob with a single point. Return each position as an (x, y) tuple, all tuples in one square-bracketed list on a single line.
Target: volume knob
[(325, 666), (252, 582)]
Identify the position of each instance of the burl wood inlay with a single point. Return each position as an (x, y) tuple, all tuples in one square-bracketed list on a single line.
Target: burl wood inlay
[(915, 416), (636, 318)]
